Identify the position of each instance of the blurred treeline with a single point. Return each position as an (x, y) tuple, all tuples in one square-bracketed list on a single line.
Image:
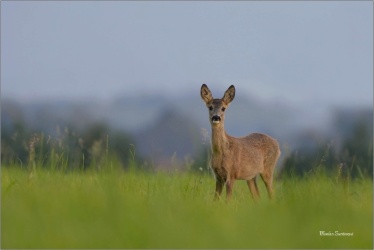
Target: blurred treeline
[(69, 148), (344, 148)]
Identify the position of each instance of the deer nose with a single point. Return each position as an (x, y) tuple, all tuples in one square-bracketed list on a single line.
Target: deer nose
[(216, 118)]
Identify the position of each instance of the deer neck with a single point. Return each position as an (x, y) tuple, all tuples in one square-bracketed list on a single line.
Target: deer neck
[(219, 139)]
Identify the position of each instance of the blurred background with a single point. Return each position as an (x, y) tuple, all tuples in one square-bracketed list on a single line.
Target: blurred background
[(83, 82)]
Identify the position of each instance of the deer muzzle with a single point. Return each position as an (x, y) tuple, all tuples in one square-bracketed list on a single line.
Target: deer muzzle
[(216, 119)]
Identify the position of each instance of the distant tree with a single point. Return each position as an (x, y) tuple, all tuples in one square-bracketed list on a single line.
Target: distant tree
[(69, 148), (357, 150), (14, 144), (350, 149)]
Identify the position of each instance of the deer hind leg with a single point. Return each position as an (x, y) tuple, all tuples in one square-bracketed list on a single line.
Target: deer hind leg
[(253, 188), (269, 165), (268, 180)]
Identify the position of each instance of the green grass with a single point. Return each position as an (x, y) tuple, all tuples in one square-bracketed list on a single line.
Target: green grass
[(117, 209)]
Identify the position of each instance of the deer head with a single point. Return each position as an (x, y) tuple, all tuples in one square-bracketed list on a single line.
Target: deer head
[(217, 107)]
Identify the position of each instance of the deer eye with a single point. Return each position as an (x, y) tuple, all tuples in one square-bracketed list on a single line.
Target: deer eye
[(223, 109), (210, 108)]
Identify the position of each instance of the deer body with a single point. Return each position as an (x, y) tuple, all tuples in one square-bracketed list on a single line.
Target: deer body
[(238, 158)]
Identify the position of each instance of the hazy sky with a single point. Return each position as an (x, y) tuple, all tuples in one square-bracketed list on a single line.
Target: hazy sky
[(302, 52)]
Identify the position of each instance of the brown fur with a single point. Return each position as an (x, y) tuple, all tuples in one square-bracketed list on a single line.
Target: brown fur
[(238, 158)]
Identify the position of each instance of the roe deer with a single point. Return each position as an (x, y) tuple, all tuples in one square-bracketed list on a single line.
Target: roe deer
[(238, 158)]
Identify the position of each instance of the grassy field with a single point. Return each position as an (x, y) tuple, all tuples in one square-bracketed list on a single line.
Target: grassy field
[(118, 209)]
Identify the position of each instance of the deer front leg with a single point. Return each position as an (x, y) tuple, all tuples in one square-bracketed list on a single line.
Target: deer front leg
[(219, 186), (229, 185)]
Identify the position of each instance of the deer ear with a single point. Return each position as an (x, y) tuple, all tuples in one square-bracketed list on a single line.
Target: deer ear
[(205, 93), (229, 95)]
